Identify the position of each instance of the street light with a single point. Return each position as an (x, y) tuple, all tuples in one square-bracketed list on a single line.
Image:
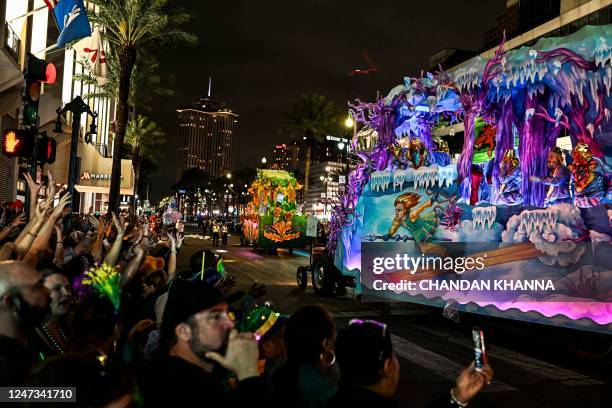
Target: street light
[(229, 175), (264, 160), (349, 122), (77, 106), (326, 179)]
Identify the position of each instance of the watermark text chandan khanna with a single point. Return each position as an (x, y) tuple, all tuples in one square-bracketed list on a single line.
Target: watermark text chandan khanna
[(462, 284)]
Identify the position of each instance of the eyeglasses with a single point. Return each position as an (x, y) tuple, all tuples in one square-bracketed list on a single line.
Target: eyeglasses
[(375, 323)]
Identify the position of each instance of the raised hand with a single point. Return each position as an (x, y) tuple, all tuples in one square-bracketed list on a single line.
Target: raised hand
[(94, 222), (172, 241), (241, 355), (33, 186), (40, 210), (59, 208), (471, 381), (179, 240), (34, 189), (119, 225), (19, 220)]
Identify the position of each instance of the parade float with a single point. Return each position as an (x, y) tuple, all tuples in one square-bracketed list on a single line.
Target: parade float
[(271, 219), (525, 195)]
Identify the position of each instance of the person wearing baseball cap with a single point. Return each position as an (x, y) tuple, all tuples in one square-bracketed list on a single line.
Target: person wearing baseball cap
[(199, 344)]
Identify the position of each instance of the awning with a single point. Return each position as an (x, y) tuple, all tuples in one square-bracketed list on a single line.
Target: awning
[(102, 190)]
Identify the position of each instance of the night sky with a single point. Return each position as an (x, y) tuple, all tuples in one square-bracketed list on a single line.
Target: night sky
[(263, 54)]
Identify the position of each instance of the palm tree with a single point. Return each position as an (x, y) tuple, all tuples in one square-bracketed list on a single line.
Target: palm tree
[(310, 118), (146, 82), (129, 26), (144, 140)]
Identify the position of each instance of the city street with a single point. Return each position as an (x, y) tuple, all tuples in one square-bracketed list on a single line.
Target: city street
[(422, 190), (532, 367)]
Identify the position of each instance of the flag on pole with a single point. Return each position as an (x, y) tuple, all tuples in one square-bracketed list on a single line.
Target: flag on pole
[(51, 3), (72, 21), (90, 53)]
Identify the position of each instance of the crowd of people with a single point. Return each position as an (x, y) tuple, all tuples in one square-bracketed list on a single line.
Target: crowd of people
[(97, 303)]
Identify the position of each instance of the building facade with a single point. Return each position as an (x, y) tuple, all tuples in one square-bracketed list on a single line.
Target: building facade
[(29, 27), (281, 157), (206, 137), (324, 188)]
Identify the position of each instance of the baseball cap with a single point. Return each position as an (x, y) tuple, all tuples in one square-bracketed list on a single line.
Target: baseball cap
[(187, 298)]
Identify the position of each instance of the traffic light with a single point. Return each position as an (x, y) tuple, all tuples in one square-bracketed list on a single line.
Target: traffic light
[(18, 143), (45, 149), (36, 72)]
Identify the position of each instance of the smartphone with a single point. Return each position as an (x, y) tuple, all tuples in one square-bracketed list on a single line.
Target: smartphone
[(480, 354)]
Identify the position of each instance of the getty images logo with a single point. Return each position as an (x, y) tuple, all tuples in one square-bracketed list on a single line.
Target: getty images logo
[(415, 263)]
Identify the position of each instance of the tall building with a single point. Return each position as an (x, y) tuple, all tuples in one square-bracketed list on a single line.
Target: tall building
[(281, 157), (206, 136), (294, 149)]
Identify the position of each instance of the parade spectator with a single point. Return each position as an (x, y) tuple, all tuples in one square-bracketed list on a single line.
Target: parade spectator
[(24, 304), (306, 378), (369, 370), (198, 344), (52, 334)]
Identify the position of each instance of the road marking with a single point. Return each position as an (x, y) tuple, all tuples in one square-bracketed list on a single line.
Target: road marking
[(439, 365), (531, 364)]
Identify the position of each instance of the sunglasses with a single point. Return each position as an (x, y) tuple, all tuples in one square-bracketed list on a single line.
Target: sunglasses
[(374, 323)]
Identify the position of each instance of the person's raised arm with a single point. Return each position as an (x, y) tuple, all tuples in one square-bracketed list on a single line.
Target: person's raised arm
[(34, 189), (113, 255), (41, 241), (58, 256), (25, 239), (172, 259), (133, 266), (96, 248), (51, 188)]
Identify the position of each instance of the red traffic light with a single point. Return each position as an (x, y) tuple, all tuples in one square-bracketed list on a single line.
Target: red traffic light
[(46, 148), (40, 70), (51, 74), (18, 143)]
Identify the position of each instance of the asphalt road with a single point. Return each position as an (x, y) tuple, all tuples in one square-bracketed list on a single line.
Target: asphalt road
[(533, 367)]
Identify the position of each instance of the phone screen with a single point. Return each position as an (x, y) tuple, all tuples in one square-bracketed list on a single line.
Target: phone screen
[(480, 356)]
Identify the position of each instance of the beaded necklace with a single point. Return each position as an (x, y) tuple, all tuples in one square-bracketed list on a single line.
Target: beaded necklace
[(51, 340)]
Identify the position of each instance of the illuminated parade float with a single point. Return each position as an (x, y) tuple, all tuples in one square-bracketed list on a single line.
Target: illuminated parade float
[(271, 219), (524, 200)]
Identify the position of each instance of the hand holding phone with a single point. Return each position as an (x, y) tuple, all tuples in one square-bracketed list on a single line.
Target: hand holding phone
[(480, 355)]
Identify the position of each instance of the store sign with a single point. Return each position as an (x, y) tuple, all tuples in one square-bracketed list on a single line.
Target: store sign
[(95, 176), (337, 139)]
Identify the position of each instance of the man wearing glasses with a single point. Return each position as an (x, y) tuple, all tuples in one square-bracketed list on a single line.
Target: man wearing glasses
[(199, 344)]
